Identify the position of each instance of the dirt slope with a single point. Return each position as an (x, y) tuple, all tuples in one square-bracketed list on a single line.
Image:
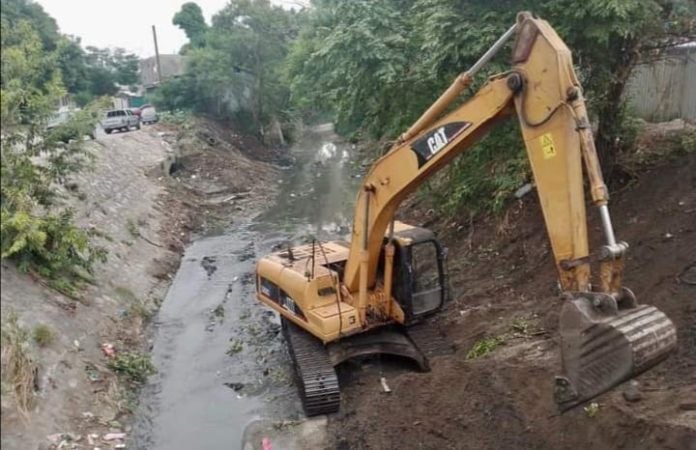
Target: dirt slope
[(504, 285)]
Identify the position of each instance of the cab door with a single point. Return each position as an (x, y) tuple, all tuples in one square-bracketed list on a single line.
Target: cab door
[(427, 277)]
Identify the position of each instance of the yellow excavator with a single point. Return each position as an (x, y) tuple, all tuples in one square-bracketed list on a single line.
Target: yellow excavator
[(339, 300)]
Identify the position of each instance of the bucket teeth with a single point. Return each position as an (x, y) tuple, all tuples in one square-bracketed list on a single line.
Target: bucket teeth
[(603, 345)]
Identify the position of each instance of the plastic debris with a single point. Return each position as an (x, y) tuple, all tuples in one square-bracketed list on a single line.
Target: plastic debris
[(592, 409), (266, 444), (524, 190), (92, 373), (109, 350), (114, 436), (385, 386)]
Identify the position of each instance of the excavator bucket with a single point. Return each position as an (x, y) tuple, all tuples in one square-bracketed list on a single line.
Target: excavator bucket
[(605, 342)]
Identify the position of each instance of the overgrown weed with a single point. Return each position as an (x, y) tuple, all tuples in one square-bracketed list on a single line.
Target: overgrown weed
[(18, 365)]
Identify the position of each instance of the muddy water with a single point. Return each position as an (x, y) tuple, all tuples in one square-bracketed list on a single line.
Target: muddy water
[(224, 379)]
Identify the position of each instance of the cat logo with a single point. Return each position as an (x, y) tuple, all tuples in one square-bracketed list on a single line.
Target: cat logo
[(437, 139)]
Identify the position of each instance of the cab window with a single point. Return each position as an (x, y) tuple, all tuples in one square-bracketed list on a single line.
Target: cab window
[(427, 292)]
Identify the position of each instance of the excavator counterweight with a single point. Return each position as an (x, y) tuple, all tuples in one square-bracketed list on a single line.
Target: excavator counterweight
[(372, 295)]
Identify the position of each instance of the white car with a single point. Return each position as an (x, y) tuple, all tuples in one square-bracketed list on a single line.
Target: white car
[(148, 114), (120, 119)]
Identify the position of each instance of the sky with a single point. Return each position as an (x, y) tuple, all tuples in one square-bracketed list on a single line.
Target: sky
[(127, 23)]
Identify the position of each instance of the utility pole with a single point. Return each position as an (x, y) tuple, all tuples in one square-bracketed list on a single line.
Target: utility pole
[(157, 58)]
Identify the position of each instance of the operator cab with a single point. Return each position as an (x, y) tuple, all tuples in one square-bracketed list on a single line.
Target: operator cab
[(420, 281)]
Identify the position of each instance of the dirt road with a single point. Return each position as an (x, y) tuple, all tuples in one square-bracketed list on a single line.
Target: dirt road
[(224, 377)]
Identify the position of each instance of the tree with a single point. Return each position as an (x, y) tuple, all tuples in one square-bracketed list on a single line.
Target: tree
[(608, 40), (237, 73), (39, 237), (72, 64), (356, 56), (46, 28), (380, 64), (190, 19), (125, 67), (106, 68)]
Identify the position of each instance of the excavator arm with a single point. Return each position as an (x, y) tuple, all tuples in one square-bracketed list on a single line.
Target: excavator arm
[(544, 93), (606, 337)]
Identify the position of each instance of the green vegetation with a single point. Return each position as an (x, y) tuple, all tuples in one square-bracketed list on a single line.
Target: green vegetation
[(136, 307), (42, 334), (133, 229), (86, 73), (688, 142), (373, 67), (35, 230), (592, 409), (484, 347), (17, 364), (377, 65), (134, 366), (176, 117), (235, 347), (234, 67), (190, 19)]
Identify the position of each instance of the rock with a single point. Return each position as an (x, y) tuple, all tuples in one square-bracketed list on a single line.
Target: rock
[(235, 386), (632, 393)]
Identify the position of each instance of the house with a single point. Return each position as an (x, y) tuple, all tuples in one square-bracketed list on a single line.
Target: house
[(171, 66)]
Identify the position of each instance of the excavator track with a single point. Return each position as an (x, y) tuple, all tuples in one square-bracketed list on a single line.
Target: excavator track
[(316, 378)]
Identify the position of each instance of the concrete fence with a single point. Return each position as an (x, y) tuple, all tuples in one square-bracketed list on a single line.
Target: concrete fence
[(665, 89)]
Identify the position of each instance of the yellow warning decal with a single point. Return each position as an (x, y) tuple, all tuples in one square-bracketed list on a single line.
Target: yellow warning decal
[(548, 149)]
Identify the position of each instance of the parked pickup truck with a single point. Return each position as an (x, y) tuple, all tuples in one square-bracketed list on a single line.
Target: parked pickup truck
[(120, 119)]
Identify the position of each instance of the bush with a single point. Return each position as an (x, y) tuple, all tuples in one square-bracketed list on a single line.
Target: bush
[(688, 141), (51, 247), (34, 231), (176, 117), (135, 366), (18, 366), (484, 347), (43, 336)]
